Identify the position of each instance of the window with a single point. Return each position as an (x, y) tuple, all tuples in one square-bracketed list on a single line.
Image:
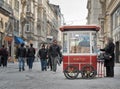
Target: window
[(1, 23), (65, 43), (27, 27), (16, 5), (10, 2), (79, 42), (94, 43), (116, 18), (28, 7)]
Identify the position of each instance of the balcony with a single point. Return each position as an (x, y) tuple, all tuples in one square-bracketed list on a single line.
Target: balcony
[(5, 7)]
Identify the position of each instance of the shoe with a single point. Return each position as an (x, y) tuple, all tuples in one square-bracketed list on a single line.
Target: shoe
[(19, 70), (23, 69), (45, 69)]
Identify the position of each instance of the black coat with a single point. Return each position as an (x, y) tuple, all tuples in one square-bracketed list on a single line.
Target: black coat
[(31, 52), (54, 51), (21, 52), (43, 53), (110, 50)]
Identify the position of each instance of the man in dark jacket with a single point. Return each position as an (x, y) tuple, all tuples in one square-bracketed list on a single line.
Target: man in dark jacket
[(31, 56), (27, 47), (21, 54), (43, 54), (54, 51), (3, 56), (109, 63)]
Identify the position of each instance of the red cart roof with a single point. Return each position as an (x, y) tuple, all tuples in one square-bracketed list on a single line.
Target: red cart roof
[(83, 27)]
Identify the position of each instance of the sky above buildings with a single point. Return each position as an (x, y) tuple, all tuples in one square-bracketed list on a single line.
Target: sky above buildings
[(74, 11)]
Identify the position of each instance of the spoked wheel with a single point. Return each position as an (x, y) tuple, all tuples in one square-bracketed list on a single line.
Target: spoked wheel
[(71, 72), (88, 72)]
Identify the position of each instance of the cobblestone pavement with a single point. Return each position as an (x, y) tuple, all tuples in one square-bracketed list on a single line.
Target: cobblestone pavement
[(11, 78)]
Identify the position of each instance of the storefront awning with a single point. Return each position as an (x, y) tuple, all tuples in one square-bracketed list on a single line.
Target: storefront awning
[(18, 40), (8, 38)]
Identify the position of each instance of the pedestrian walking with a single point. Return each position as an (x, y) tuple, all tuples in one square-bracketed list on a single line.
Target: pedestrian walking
[(27, 47), (21, 54), (43, 54), (54, 52), (109, 63), (31, 56), (49, 62), (3, 56)]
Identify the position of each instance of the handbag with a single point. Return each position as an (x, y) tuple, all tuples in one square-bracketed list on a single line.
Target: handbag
[(107, 56)]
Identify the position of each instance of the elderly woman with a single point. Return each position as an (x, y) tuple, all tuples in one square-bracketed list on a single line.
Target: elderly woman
[(109, 63)]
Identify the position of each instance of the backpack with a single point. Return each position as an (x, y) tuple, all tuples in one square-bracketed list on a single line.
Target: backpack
[(21, 52), (31, 52)]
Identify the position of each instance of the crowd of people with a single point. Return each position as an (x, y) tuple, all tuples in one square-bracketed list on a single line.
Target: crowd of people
[(49, 55)]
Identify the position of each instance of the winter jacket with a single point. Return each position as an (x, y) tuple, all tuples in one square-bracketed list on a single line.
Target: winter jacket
[(21, 52), (31, 52), (43, 53), (54, 51), (110, 50)]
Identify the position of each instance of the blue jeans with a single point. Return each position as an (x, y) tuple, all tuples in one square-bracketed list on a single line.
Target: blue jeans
[(43, 64), (30, 62), (21, 62)]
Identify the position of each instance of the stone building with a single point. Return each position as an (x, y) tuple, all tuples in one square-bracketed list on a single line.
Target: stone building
[(34, 21), (5, 12), (93, 18), (109, 21), (111, 15), (41, 21), (94, 9)]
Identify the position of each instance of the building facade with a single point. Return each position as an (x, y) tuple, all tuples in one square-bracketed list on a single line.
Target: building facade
[(41, 21), (111, 15), (5, 12), (94, 9), (34, 21), (109, 20), (93, 18)]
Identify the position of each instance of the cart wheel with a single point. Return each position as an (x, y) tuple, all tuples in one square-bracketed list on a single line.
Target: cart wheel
[(88, 72), (71, 72)]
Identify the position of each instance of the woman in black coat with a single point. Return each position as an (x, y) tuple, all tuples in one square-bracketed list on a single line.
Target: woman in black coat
[(109, 64)]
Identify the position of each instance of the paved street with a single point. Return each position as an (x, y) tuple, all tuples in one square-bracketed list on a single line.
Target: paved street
[(11, 78)]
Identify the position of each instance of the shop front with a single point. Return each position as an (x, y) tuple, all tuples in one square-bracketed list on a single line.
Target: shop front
[(116, 32)]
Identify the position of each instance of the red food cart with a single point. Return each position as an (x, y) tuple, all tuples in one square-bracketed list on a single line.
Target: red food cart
[(79, 51)]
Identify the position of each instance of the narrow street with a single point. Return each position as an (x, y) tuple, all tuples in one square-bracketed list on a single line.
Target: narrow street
[(11, 78)]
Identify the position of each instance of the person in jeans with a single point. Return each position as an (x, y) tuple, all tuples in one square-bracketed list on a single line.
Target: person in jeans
[(27, 47), (54, 52), (31, 56), (43, 54), (21, 54)]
